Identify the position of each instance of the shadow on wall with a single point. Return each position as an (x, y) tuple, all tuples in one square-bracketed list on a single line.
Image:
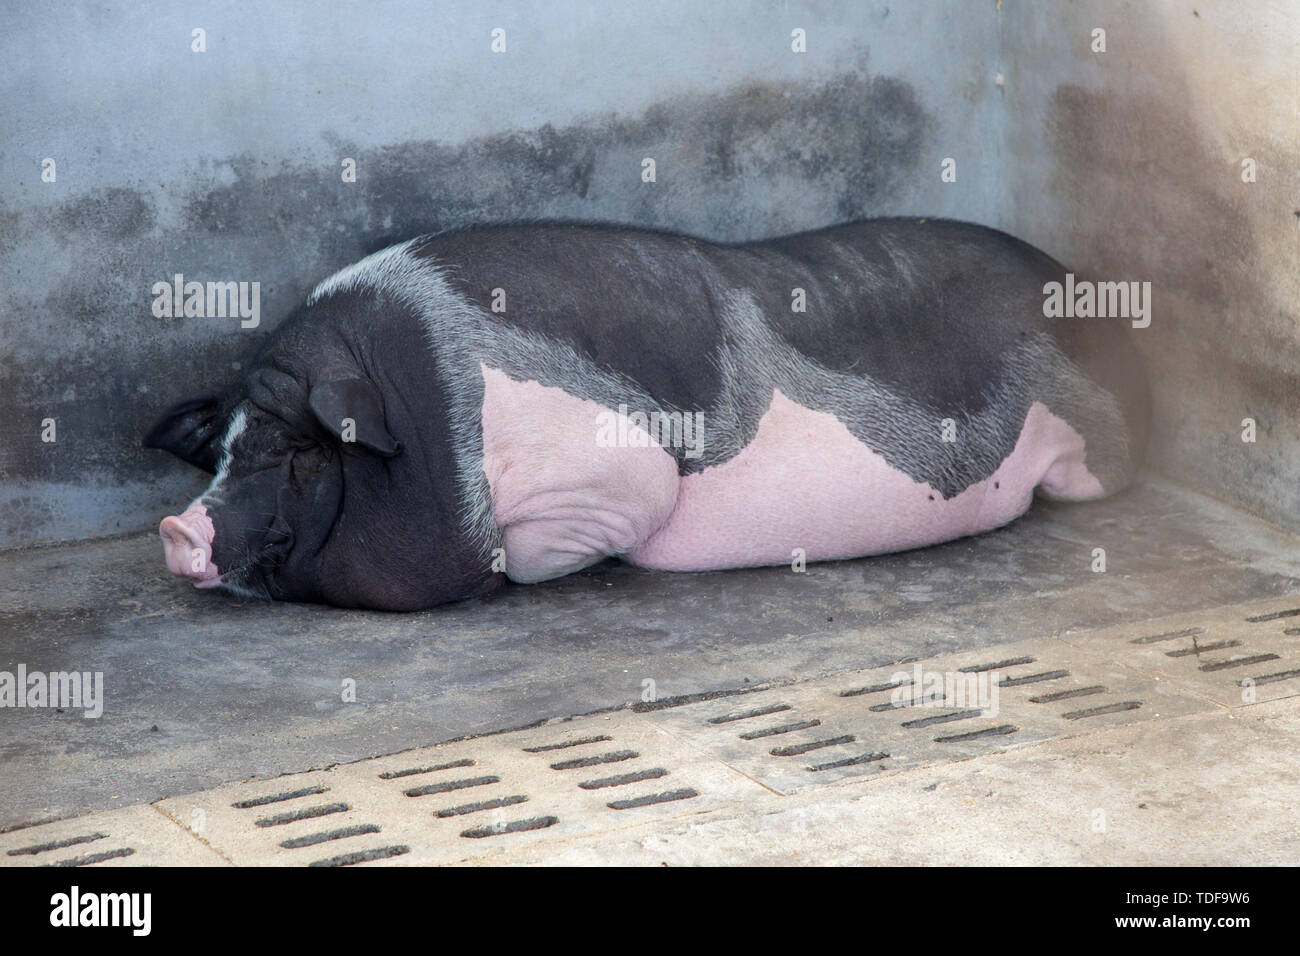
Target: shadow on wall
[(760, 160), (1148, 169)]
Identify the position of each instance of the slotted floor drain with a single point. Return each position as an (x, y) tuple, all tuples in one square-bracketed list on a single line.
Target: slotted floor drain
[(926, 712), (698, 753), (473, 797), (133, 836)]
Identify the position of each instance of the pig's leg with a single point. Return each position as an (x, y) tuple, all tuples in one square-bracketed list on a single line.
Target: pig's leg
[(564, 495)]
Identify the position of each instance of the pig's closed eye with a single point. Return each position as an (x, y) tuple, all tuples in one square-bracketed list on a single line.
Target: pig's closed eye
[(308, 460)]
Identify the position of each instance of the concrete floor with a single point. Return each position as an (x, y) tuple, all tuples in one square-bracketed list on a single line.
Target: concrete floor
[(203, 689), (1163, 793)]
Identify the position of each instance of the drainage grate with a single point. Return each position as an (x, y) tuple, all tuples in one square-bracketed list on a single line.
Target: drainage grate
[(556, 781), (132, 836), (885, 719), (1232, 655), (696, 753)]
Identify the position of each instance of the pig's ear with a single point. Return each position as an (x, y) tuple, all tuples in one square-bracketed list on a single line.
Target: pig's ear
[(351, 397), (189, 430)]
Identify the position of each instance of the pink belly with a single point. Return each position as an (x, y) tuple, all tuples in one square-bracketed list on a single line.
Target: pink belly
[(564, 499), (805, 483)]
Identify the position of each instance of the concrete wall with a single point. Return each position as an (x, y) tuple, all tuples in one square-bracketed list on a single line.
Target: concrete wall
[(1129, 164), (225, 165)]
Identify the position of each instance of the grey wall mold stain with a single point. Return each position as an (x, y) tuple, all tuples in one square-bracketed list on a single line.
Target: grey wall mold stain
[(79, 343), (1222, 346), (730, 167), (111, 213)]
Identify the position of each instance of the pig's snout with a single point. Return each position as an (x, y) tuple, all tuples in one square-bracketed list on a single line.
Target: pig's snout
[(187, 545)]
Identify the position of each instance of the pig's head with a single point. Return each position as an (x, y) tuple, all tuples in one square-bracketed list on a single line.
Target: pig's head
[(314, 498)]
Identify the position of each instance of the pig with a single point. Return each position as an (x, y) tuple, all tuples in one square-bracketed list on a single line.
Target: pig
[(518, 402)]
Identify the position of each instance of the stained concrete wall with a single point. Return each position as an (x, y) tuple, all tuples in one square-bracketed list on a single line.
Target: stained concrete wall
[(1129, 163), (225, 165)]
